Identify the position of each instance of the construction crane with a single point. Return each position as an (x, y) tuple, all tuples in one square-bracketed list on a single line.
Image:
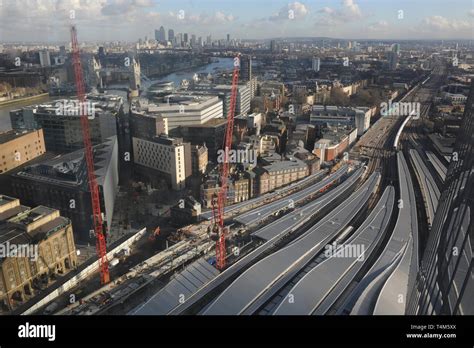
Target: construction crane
[(101, 247), (218, 230)]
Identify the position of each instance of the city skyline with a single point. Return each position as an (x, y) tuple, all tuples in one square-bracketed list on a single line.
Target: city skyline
[(129, 20)]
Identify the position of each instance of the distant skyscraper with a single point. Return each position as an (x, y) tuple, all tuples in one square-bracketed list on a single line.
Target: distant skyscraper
[(246, 68), (160, 35), (396, 48), (228, 38), (185, 38), (209, 40), (392, 59), (273, 46), (44, 57), (316, 64), (193, 40), (445, 283), (171, 35)]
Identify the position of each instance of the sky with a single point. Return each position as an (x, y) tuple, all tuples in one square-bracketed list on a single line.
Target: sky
[(129, 20)]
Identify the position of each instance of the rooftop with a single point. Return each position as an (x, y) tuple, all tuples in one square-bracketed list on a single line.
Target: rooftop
[(214, 122), (70, 169), (23, 225), (6, 199), (10, 135), (286, 165)]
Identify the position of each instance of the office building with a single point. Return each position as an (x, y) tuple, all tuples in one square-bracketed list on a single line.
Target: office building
[(273, 46), (61, 183), (392, 59), (245, 68), (45, 250), (358, 117), (396, 48), (170, 157), (183, 109), (160, 35), (211, 133), (171, 35), (316, 64), (61, 124), (147, 126), (242, 105), (45, 59), (20, 147)]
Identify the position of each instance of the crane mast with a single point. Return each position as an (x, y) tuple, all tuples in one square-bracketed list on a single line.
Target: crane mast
[(218, 209), (101, 247)]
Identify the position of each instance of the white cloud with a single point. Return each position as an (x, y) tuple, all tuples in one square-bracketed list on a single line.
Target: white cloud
[(442, 23), (294, 10), (379, 26), (218, 17), (348, 12)]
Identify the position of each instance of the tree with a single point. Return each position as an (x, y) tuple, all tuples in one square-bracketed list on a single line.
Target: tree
[(339, 97)]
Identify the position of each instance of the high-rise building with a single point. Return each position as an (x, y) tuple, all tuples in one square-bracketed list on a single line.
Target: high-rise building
[(273, 46), (396, 48), (160, 35), (171, 35), (228, 38), (316, 64), (245, 67), (169, 156), (392, 59), (445, 281), (185, 38), (45, 59)]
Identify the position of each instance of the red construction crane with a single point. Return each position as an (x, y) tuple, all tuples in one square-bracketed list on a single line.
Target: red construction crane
[(218, 210), (88, 152)]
